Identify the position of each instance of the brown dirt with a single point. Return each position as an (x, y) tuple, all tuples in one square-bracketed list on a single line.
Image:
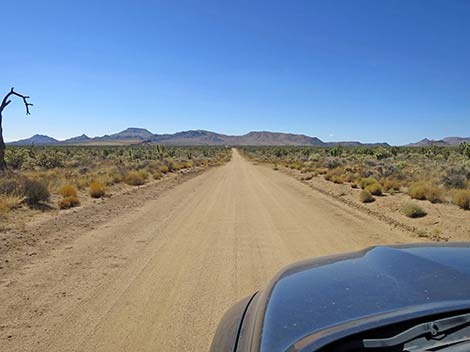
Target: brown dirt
[(156, 269)]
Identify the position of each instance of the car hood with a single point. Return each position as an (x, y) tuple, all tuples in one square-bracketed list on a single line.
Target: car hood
[(311, 300)]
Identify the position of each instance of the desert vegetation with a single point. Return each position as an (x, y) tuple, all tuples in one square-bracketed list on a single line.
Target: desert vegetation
[(63, 177), (436, 174), (410, 179)]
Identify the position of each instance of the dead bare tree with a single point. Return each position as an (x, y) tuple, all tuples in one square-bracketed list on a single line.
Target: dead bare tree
[(4, 104)]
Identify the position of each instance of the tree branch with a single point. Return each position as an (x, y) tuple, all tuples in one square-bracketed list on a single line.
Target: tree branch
[(24, 97)]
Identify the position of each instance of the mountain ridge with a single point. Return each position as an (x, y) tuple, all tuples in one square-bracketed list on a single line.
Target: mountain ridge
[(447, 141), (134, 135)]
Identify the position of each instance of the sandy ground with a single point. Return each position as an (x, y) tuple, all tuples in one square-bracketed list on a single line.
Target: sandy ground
[(158, 275)]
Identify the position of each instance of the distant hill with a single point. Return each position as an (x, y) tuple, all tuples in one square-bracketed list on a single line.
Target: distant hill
[(131, 133), (77, 140), (456, 140), (37, 139), (277, 138), (448, 141), (200, 137)]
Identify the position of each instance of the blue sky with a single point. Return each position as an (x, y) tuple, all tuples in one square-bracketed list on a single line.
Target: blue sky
[(394, 71)]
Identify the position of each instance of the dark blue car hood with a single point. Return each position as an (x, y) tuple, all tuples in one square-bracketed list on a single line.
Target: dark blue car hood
[(312, 300)]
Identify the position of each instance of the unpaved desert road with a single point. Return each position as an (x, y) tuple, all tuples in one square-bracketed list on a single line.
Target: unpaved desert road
[(161, 277)]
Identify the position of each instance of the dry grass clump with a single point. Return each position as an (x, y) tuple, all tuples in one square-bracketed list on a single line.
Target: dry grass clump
[(374, 189), (97, 189), (367, 181), (417, 191), (69, 197), (413, 210), (350, 177), (366, 197), (426, 191), (434, 194), (17, 188), (335, 175), (164, 169), (8, 203), (174, 165), (135, 178), (117, 176), (295, 165), (68, 191), (390, 185), (36, 192), (69, 202), (157, 175), (462, 199)]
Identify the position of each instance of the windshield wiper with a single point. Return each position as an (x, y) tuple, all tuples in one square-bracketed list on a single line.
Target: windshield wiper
[(447, 332)]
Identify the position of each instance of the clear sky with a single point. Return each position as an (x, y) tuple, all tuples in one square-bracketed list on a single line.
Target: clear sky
[(394, 71)]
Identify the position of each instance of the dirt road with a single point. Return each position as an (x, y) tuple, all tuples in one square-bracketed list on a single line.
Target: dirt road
[(160, 277)]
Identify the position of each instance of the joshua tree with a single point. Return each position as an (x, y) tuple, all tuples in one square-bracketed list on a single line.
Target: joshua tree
[(4, 104)]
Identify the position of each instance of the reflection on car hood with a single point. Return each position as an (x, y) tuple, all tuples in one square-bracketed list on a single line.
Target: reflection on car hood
[(314, 296)]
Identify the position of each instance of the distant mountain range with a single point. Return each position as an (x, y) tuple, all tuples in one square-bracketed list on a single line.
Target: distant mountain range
[(201, 137), (448, 141), (194, 137)]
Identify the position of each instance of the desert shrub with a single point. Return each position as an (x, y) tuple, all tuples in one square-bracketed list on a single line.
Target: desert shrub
[(413, 210), (295, 165), (69, 202), (374, 189), (105, 179), (173, 165), (11, 186), (117, 175), (391, 185), (275, 167), (426, 191), (164, 169), (334, 174), (332, 163), (337, 179), (35, 192), (157, 175), (68, 191), (434, 194), (50, 160), (97, 189), (186, 164), (350, 177), (418, 191), (367, 181), (462, 199), (15, 158), (455, 178), (135, 178), (366, 197)]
